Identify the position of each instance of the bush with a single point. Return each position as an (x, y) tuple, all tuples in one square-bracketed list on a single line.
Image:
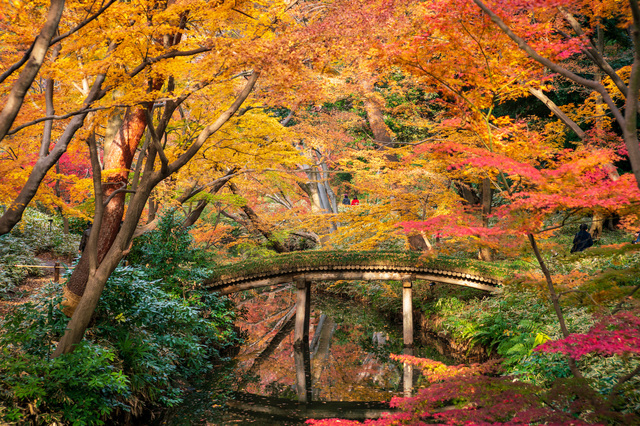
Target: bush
[(14, 251), (160, 337), (80, 388), (43, 237), (147, 342), (166, 254)]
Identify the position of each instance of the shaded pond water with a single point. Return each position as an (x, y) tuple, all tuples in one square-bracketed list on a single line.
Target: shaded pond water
[(350, 368)]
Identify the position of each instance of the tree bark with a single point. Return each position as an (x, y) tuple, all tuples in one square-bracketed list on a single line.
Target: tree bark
[(98, 274), (265, 229), (13, 102), (557, 112), (375, 118), (119, 161)]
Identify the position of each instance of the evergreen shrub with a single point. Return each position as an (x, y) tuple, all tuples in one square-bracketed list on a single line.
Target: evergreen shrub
[(148, 342)]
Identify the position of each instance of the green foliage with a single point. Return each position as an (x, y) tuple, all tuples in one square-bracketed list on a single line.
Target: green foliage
[(78, 225), (14, 251), (29, 238), (146, 343), (36, 231), (81, 388), (166, 254), (510, 326), (160, 337)]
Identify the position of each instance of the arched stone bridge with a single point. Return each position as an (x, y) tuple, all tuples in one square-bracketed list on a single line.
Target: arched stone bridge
[(306, 267), (352, 265)]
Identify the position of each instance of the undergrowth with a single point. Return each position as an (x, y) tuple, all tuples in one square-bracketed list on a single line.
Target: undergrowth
[(149, 340)]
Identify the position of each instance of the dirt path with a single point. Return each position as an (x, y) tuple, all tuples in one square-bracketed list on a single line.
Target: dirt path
[(31, 285)]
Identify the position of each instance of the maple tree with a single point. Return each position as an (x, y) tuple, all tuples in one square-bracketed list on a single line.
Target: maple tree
[(615, 88), (404, 104), (32, 57)]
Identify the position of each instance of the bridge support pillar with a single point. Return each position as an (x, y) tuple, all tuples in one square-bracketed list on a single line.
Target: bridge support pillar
[(303, 308), (407, 334), (301, 340)]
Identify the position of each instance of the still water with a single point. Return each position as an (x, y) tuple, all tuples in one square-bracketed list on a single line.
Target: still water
[(348, 366)]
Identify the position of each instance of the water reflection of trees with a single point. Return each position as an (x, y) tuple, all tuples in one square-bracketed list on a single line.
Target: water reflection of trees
[(349, 348)]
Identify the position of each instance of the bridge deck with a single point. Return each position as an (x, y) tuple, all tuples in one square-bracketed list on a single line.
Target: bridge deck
[(351, 265)]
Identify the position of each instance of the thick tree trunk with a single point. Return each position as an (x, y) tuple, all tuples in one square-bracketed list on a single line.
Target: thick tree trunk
[(419, 242), (375, 117), (312, 192), (597, 222), (99, 274), (118, 160)]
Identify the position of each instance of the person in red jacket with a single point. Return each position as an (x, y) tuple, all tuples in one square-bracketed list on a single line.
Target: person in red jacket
[(355, 201)]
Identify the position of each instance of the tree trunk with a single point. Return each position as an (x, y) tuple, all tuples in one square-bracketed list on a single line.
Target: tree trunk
[(597, 223), (419, 242), (375, 117), (99, 274), (265, 229), (45, 161), (486, 253), (13, 102), (151, 211), (119, 159)]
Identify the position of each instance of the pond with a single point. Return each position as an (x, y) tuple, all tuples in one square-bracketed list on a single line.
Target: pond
[(348, 370)]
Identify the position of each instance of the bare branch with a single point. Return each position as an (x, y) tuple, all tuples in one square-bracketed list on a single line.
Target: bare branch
[(13, 102), (593, 53), (54, 117), (119, 191), (83, 23)]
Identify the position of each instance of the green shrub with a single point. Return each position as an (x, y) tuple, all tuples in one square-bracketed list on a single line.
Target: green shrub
[(160, 337), (84, 387), (147, 342), (14, 251), (166, 254), (32, 236), (36, 231)]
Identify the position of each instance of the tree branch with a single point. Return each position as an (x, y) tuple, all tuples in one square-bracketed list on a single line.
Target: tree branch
[(593, 53), (83, 23), (596, 86), (13, 102)]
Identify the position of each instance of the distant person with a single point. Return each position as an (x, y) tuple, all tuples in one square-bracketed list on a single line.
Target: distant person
[(84, 239), (346, 200), (582, 240), (355, 201), (636, 238)]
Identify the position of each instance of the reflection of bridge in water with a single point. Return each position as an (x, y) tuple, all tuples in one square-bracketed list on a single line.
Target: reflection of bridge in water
[(303, 268), (275, 408)]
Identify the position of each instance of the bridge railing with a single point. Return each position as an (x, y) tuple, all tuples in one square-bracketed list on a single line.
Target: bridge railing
[(299, 261)]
